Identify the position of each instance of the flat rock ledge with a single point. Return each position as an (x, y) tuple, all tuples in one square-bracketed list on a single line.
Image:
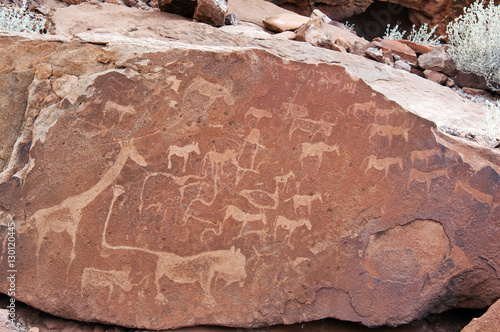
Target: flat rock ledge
[(156, 184)]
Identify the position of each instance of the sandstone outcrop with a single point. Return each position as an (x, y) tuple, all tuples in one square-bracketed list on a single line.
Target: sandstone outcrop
[(489, 322), (172, 180)]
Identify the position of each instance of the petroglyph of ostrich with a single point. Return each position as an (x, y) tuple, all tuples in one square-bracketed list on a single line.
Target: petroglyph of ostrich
[(290, 226), (383, 164), (183, 152), (304, 200), (317, 150)]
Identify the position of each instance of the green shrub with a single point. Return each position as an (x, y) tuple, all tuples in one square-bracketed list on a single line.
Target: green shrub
[(19, 19), (475, 41)]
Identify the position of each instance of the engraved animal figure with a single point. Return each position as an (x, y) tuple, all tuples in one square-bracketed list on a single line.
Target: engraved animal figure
[(426, 177), (383, 164), (183, 152), (228, 265), (290, 225), (243, 217), (317, 150), (217, 159), (387, 131), (475, 194), (304, 200), (264, 200), (66, 216), (293, 111), (258, 114), (211, 90), (423, 155), (384, 112), (311, 127), (363, 107), (92, 277)]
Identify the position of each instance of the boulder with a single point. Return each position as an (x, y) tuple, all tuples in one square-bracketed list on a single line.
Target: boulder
[(284, 22), (489, 322), (212, 12), (438, 60), (470, 80), (213, 179), (405, 52)]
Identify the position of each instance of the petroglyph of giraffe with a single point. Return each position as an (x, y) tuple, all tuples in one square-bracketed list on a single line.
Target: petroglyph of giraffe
[(66, 216), (316, 150), (243, 217), (426, 177), (201, 268), (95, 278), (258, 114), (476, 194), (304, 200), (183, 152), (264, 200), (383, 164), (290, 226), (387, 131), (424, 155)]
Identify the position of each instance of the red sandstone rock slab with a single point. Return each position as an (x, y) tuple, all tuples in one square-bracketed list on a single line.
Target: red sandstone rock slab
[(404, 51), (418, 48), (233, 187), (489, 322)]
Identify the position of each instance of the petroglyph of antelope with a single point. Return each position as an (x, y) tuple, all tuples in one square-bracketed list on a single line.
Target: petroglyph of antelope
[(66, 216), (183, 152), (426, 177), (387, 131), (243, 217), (95, 278), (258, 114), (317, 150), (379, 112), (261, 199), (424, 155), (202, 268), (305, 200), (312, 127), (475, 194), (290, 226), (365, 107), (383, 164), (120, 109)]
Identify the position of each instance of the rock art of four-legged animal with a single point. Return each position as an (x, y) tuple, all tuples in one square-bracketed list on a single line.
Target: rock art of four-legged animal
[(182, 152), (261, 198), (304, 200), (383, 164), (317, 150), (290, 225), (243, 217), (426, 177)]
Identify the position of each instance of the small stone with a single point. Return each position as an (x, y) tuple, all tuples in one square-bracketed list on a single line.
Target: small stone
[(321, 15), (470, 80), (450, 83), (401, 64), (212, 12), (284, 22), (342, 42), (375, 54), (285, 35), (435, 76), (476, 92), (405, 52), (358, 49), (231, 19), (43, 71), (418, 48), (438, 60)]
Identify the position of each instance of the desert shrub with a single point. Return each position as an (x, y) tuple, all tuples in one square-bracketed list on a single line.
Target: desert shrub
[(19, 19), (475, 41), (492, 119), (421, 36)]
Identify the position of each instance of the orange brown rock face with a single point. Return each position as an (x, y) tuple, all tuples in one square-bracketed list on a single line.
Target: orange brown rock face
[(192, 186)]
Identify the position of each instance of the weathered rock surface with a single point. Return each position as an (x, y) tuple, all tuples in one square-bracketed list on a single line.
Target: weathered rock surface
[(225, 180), (489, 322), (284, 22), (440, 12)]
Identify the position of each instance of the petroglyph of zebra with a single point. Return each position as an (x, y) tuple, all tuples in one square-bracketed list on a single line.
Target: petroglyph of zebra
[(182, 152), (304, 200), (387, 131), (290, 226), (243, 217), (317, 150), (426, 177), (383, 164), (95, 278), (424, 155)]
